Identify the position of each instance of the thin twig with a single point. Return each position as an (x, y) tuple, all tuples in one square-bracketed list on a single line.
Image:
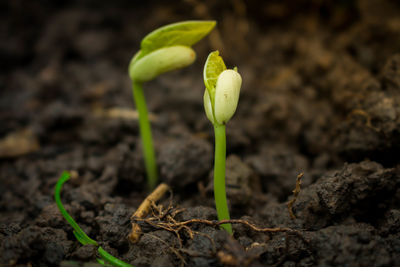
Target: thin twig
[(296, 192), (144, 209), (368, 118)]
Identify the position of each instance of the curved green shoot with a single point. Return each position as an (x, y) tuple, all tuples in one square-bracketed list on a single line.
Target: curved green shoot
[(78, 232), (106, 258), (165, 49)]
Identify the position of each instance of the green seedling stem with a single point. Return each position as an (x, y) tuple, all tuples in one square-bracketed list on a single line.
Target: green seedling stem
[(106, 258), (165, 49), (145, 133), (219, 176)]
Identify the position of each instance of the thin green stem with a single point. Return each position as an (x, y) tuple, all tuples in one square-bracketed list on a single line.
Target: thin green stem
[(79, 233), (145, 133), (106, 258), (219, 176)]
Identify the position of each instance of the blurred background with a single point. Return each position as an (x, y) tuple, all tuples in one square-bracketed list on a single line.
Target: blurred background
[(308, 67), (315, 73)]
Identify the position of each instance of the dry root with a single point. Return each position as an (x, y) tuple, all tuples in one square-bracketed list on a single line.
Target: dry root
[(165, 219), (144, 209)]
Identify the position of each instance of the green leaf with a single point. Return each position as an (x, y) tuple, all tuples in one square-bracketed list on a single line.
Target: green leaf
[(135, 58), (160, 61), (212, 69), (185, 33)]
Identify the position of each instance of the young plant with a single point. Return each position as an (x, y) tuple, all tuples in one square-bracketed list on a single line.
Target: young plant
[(165, 49), (106, 259), (220, 101)]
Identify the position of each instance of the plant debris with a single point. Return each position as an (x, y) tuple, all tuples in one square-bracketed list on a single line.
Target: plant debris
[(144, 209), (296, 192), (18, 143)]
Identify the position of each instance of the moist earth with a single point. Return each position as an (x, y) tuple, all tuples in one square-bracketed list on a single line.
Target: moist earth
[(320, 96)]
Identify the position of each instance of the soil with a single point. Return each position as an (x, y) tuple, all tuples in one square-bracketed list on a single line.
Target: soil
[(320, 95)]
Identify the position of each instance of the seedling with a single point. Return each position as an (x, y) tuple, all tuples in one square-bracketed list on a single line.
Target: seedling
[(106, 259), (165, 49), (220, 101)]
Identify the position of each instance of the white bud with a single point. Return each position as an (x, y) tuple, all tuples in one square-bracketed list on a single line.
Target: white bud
[(208, 106), (226, 95), (160, 61)]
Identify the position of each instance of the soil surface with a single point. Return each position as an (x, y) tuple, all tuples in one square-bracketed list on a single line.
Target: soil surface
[(320, 96)]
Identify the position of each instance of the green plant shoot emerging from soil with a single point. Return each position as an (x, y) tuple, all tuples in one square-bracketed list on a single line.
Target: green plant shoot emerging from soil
[(220, 101), (106, 258), (165, 49)]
